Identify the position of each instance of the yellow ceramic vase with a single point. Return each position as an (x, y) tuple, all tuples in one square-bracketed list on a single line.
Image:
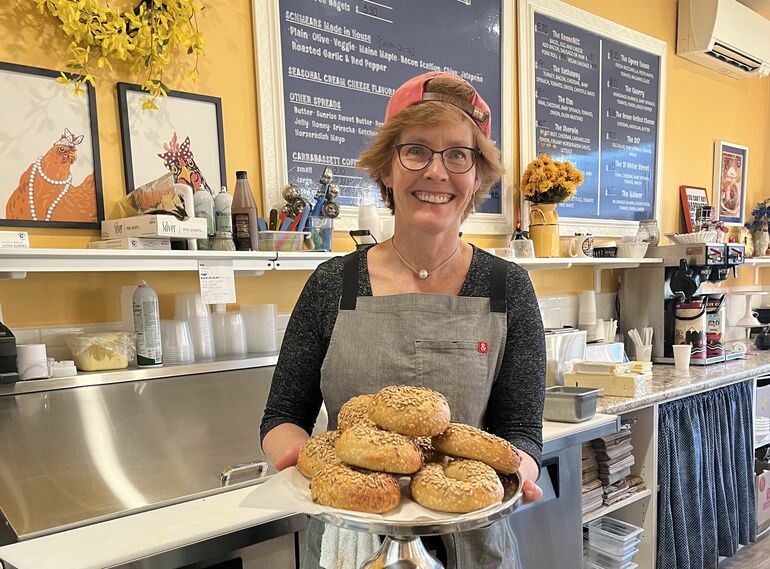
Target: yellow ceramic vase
[(544, 229)]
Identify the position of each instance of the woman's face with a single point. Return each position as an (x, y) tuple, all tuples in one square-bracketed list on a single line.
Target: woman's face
[(433, 198)]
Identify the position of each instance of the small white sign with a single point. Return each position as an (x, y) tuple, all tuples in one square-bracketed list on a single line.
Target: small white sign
[(217, 281)]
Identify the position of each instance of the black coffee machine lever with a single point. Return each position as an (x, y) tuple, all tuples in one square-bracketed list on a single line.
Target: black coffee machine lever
[(685, 281)]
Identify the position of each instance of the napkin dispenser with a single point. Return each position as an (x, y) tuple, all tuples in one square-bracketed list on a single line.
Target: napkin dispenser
[(562, 347), (8, 370)]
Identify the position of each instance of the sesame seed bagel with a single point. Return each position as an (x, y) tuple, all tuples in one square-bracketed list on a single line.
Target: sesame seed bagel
[(459, 487), (355, 412), (341, 486), (317, 452), (463, 441), (414, 411), (374, 449)]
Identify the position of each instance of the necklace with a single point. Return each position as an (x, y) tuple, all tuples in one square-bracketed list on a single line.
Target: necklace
[(37, 169), (423, 274)]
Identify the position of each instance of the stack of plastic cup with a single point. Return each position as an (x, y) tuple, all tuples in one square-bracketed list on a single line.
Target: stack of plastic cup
[(260, 320), (176, 342), (229, 333), (189, 307)]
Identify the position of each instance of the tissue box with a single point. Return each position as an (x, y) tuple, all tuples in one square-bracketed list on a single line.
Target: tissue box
[(162, 244), (154, 226)]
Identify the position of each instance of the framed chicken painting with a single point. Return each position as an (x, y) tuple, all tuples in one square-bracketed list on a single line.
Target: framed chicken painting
[(183, 136), (49, 151)]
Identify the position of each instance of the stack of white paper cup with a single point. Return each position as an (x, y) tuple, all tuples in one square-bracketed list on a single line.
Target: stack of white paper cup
[(189, 306), (229, 333), (31, 361), (260, 320), (587, 314)]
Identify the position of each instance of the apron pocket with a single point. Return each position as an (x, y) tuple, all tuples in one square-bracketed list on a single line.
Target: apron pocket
[(459, 367)]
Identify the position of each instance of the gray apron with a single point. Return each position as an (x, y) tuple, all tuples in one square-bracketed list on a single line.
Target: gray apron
[(453, 344)]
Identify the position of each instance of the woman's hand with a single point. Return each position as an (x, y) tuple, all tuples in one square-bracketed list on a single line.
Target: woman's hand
[(532, 492), (282, 445), (529, 471)]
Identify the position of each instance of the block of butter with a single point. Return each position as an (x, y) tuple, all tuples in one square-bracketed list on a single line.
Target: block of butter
[(622, 385)]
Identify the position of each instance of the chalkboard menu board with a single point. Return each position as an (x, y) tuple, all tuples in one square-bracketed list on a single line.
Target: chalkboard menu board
[(340, 61), (597, 103)]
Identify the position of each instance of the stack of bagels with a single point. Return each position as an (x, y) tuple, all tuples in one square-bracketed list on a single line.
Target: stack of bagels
[(405, 431)]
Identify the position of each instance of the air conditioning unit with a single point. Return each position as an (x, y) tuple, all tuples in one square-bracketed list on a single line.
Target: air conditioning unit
[(724, 35)]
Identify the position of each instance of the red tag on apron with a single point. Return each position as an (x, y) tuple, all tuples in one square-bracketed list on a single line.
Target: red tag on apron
[(483, 348)]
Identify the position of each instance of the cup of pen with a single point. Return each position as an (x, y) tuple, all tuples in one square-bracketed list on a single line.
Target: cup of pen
[(321, 232)]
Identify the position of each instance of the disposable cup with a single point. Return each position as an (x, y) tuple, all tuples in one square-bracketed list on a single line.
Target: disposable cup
[(682, 353), (260, 321), (176, 342), (644, 353), (229, 333)]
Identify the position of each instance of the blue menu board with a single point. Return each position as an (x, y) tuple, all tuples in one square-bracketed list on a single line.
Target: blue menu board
[(596, 105), (342, 60)]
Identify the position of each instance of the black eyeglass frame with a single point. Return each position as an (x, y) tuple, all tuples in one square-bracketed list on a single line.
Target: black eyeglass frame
[(475, 153)]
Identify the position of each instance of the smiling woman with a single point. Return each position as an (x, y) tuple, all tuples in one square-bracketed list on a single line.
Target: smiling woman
[(435, 311)]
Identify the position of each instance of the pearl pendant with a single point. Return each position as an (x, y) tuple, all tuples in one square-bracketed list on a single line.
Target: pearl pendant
[(423, 274)]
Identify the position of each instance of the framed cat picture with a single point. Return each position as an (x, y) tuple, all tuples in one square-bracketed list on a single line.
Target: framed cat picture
[(183, 136), (49, 151)]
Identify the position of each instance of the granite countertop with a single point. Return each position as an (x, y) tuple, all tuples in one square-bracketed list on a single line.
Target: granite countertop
[(668, 383)]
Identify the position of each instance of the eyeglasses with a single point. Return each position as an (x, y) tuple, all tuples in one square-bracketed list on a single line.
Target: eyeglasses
[(456, 159)]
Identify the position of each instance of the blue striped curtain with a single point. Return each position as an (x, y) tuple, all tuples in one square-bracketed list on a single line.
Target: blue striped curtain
[(706, 476)]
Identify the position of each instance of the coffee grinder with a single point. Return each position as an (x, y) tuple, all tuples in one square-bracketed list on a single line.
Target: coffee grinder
[(670, 298)]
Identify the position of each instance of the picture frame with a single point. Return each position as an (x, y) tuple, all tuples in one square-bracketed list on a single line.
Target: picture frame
[(307, 105), (49, 151), (730, 172), (692, 198), (587, 123), (184, 135)]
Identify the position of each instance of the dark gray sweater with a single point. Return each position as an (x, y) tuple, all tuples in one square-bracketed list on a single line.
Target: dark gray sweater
[(515, 407)]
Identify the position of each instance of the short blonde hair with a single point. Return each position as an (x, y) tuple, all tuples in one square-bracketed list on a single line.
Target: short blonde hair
[(377, 160)]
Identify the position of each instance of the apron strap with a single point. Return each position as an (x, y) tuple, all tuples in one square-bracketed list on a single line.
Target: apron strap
[(349, 281), (498, 301)]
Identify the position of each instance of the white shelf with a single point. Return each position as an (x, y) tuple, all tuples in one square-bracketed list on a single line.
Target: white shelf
[(15, 263), (591, 516)]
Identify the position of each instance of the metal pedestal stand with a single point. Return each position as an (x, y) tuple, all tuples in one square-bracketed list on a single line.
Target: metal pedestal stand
[(402, 548)]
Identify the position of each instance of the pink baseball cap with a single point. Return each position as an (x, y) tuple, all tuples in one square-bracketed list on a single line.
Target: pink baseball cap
[(413, 93)]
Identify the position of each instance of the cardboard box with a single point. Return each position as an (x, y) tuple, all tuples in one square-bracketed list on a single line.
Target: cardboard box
[(161, 244), (762, 494), (14, 240), (623, 385), (154, 226)]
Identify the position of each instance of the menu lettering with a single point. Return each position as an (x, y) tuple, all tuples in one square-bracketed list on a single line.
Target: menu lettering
[(596, 105), (342, 61)]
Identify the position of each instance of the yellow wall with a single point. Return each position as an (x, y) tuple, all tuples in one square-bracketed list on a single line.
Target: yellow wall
[(701, 106)]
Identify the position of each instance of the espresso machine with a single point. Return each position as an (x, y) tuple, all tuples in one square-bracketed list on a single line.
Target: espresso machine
[(672, 299)]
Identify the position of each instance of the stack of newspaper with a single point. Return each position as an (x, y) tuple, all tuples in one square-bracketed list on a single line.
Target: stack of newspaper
[(614, 457), (592, 497)]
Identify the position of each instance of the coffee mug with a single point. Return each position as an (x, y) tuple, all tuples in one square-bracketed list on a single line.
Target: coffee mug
[(580, 245)]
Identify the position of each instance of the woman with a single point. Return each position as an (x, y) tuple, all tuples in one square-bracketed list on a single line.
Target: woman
[(423, 308)]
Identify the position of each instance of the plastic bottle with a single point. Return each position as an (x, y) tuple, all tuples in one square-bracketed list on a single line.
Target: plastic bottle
[(244, 214), (147, 327), (204, 207), (223, 211)]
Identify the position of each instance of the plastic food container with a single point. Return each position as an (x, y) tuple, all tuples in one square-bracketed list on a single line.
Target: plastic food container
[(612, 536), (570, 404), (281, 240), (606, 561), (102, 351)]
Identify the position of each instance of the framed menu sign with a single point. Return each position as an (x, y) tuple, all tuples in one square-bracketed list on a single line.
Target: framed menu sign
[(327, 68), (593, 94)]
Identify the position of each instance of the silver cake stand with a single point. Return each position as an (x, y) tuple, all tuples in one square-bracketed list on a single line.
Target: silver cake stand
[(402, 548)]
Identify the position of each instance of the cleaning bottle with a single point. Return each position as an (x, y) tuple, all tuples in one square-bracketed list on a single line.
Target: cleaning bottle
[(147, 327), (223, 211)]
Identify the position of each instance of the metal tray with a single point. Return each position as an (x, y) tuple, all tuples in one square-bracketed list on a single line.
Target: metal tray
[(463, 522)]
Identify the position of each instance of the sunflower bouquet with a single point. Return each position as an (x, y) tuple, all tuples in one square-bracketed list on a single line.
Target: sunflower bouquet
[(547, 181)]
